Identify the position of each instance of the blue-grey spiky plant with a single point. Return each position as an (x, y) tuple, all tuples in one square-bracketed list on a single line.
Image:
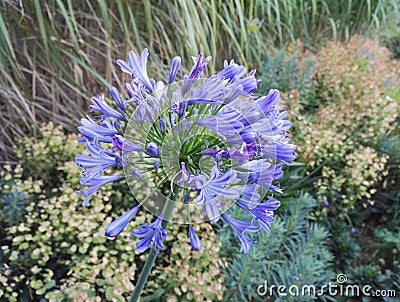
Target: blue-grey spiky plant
[(12, 203)]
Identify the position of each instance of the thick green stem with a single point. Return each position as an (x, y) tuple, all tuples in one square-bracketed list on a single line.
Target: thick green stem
[(151, 258)]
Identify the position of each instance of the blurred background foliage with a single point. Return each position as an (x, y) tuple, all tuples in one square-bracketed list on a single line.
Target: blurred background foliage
[(55, 54), (336, 65)]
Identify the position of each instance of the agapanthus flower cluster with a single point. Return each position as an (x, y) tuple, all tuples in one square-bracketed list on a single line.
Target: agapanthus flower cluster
[(201, 145)]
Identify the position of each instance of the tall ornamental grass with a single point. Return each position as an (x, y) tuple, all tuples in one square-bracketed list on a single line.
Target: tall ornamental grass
[(54, 54)]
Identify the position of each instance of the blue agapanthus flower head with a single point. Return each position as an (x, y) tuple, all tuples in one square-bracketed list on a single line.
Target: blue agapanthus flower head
[(192, 148)]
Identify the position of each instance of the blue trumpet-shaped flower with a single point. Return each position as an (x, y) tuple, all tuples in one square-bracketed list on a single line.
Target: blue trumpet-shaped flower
[(124, 145), (99, 158), (232, 71), (225, 123), (260, 172), (137, 67), (281, 151), (249, 83), (216, 185), (269, 102), (240, 227), (95, 132), (262, 212), (95, 183), (151, 235)]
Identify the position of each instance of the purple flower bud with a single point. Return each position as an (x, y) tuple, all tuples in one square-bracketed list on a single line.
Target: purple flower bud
[(118, 142), (326, 203), (99, 105), (182, 108), (117, 98), (195, 242), (118, 225), (175, 64), (163, 125), (156, 165), (186, 198), (153, 149), (122, 144), (136, 173)]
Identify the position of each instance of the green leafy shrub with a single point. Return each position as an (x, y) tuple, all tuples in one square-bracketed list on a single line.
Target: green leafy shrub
[(44, 156), (390, 240), (347, 128), (356, 111), (391, 34), (348, 144), (58, 251), (394, 45)]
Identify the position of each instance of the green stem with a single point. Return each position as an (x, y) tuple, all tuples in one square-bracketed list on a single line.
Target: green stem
[(144, 275), (151, 258)]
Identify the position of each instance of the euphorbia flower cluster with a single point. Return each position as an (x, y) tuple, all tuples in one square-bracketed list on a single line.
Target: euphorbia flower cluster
[(210, 142)]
